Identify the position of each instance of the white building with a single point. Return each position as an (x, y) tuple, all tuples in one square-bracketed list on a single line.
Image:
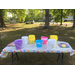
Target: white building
[(70, 18)]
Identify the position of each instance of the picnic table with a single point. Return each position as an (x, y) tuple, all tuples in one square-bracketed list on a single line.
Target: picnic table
[(33, 49)]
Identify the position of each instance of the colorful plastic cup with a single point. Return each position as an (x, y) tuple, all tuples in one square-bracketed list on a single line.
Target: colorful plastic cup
[(24, 39), (54, 37), (31, 39), (39, 43), (18, 44), (44, 39), (51, 43)]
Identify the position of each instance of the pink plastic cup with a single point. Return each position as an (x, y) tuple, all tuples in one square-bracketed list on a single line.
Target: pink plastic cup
[(44, 39)]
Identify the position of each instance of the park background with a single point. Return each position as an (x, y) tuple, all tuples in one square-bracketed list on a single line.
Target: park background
[(15, 23)]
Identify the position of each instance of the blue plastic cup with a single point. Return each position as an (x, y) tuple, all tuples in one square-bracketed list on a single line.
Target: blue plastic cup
[(39, 43)]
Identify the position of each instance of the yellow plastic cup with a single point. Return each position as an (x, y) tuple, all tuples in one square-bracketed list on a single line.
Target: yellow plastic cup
[(31, 39), (54, 37)]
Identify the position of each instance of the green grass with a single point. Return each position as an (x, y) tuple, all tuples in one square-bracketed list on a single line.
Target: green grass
[(15, 31)]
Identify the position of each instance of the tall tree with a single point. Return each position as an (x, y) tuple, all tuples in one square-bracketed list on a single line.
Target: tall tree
[(47, 18), (1, 18), (72, 13), (20, 13), (74, 18), (61, 16), (58, 14)]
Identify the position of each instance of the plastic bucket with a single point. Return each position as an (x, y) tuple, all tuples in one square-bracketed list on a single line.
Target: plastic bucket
[(54, 37), (18, 44), (31, 39), (39, 43), (44, 39), (51, 43), (31, 36), (24, 39)]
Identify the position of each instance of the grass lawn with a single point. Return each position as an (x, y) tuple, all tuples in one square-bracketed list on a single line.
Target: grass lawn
[(55, 22), (15, 31)]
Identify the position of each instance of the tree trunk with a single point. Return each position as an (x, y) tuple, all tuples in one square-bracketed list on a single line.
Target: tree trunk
[(61, 16), (47, 19), (42, 13), (2, 22), (74, 19), (1, 19)]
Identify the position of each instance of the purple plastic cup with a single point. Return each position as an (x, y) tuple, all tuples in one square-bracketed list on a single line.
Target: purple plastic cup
[(18, 44)]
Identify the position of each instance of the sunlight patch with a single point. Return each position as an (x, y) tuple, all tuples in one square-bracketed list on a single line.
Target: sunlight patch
[(72, 37)]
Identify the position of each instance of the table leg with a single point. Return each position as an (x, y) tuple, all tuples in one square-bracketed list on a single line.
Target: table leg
[(58, 56), (62, 58), (12, 59), (17, 56), (62, 55)]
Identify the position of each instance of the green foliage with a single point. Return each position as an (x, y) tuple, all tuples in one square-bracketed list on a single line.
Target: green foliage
[(56, 14), (6, 19), (35, 14), (19, 13), (70, 11), (3, 12)]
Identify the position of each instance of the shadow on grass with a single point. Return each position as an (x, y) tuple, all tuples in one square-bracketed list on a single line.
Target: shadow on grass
[(64, 34)]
